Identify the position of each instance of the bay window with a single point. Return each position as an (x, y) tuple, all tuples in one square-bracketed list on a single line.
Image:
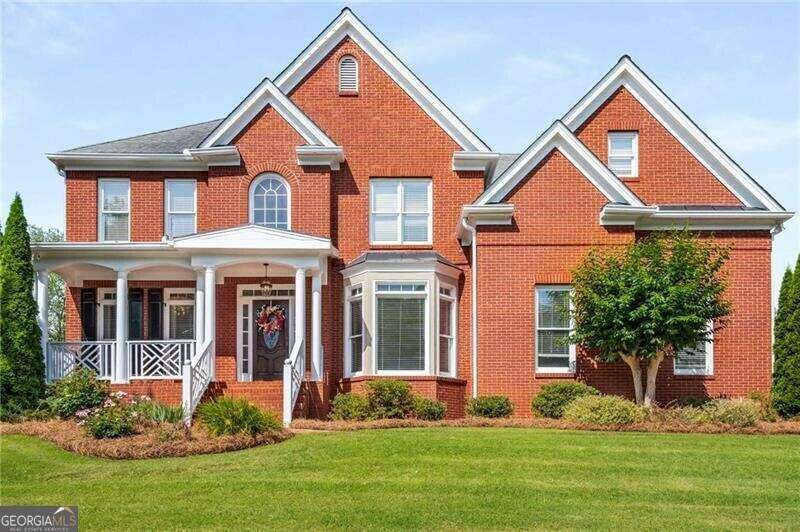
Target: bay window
[(447, 327), (553, 352), (400, 326), (114, 210), (400, 211), (180, 198), (354, 320)]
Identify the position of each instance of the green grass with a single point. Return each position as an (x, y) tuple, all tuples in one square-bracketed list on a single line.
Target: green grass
[(428, 478)]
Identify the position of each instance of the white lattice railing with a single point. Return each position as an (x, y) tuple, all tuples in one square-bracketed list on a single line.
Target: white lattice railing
[(197, 373), (63, 357), (157, 359), (294, 372)]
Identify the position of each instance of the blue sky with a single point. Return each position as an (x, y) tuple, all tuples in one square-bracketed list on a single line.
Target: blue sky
[(75, 74)]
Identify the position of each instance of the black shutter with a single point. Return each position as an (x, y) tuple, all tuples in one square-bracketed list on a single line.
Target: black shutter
[(155, 323), (89, 314), (135, 314)]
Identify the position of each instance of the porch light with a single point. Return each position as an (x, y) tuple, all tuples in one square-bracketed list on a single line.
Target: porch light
[(266, 285)]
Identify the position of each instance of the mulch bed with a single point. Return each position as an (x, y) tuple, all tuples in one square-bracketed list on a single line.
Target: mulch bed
[(153, 443), (779, 427)]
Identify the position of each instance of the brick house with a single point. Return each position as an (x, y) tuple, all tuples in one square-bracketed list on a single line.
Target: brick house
[(341, 224)]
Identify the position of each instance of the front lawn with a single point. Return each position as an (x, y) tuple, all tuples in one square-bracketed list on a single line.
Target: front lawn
[(428, 478)]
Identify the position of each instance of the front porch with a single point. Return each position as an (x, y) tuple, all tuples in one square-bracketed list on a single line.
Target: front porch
[(147, 315)]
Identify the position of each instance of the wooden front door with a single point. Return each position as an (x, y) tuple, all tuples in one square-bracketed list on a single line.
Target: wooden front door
[(270, 353)]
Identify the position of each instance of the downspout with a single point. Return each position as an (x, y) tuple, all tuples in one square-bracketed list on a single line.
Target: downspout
[(474, 300)]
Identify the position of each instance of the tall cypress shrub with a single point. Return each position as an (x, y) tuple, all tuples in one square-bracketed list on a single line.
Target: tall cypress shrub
[(786, 378), (22, 365)]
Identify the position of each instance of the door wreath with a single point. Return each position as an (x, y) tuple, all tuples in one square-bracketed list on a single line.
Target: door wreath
[(270, 321)]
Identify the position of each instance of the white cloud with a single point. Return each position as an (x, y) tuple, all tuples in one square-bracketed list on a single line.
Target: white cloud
[(548, 65), (436, 43), (42, 29), (746, 133)]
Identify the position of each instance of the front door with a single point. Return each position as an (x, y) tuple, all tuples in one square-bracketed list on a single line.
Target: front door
[(271, 348)]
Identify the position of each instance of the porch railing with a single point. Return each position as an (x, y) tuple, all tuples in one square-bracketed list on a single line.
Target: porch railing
[(64, 357), (294, 371), (154, 359), (197, 373)]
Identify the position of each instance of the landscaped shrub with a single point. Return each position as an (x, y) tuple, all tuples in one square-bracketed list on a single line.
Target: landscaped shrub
[(693, 401), (80, 390), (226, 416), (735, 412), (389, 398), (553, 398), (604, 410), (428, 409), (349, 407), (111, 421), (157, 412), (490, 406), (766, 409)]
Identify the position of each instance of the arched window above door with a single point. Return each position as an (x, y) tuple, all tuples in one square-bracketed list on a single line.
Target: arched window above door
[(270, 201)]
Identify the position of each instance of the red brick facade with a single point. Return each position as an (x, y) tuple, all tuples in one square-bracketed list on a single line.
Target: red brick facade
[(386, 134)]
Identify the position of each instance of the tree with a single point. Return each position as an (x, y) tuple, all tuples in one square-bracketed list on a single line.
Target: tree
[(22, 364), (56, 287), (786, 375), (647, 300)]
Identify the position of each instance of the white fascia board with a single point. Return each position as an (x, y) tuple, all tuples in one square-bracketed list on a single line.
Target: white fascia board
[(559, 137), (615, 214), (100, 246), (474, 161), (654, 218), (216, 156), (266, 93), (348, 25), (331, 156), (125, 161), (426, 266), (677, 123), (475, 215), (254, 237)]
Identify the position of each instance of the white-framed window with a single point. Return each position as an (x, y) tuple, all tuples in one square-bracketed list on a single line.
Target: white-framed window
[(180, 207), (400, 211), (447, 330), (354, 323), (270, 201), (107, 314), (179, 313), (400, 327), (348, 74), (553, 353), (696, 361), (114, 208), (623, 153)]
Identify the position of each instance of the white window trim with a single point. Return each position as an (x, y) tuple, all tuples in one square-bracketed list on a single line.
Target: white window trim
[(348, 352), (101, 237), (634, 147), (709, 369), (167, 212), (453, 329), (168, 302), (426, 327), (339, 72), (102, 301), (242, 300), (572, 350), (251, 197), (399, 184)]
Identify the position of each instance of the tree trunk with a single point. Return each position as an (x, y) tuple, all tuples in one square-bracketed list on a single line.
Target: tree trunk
[(636, 371), (652, 372)]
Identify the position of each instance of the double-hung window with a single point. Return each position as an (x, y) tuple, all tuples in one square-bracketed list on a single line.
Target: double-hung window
[(400, 326), (447, 325), (623, 153), (696, 361), (180, 200), (553, 353), (400, 211), (114, 200), (179, 314), (355, 330)]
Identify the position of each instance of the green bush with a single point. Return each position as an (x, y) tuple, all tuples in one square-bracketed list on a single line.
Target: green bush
[(349, 407), (736, 412), (604, 410), (389, 398), (226, 416), (490, 406), (763, 401), (112, 421), (79, 390), (428, 409), (553, 398), (156, 412)]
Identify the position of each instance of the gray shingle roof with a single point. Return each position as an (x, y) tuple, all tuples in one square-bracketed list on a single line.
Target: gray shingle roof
[(399, 256), (169, 141), (503, 162)]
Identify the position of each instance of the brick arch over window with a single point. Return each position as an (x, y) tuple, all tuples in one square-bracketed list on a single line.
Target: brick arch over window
[(270, 201)]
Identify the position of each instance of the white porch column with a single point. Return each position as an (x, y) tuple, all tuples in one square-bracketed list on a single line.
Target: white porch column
[(300, 308), (316, 326), (121, 358), (211, 312), (199, 309), (42, 301)]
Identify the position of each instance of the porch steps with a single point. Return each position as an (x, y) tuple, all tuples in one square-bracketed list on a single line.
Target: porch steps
[(265, 394)]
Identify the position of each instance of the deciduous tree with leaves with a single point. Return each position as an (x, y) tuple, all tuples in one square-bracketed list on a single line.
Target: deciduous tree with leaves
[(56, 287), (648, 300)]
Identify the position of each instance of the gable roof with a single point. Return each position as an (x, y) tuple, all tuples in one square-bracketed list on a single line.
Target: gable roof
[(559, 137), (627, 74), (267, 93), (173, 140), (254, 237), (348, 25)]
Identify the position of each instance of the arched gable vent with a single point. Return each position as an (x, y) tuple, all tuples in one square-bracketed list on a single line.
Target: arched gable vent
[(348, 74)]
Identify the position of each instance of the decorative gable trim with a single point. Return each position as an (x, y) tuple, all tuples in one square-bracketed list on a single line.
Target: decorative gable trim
[(254, 237), (557, 136), (348, 25), (627, 74)]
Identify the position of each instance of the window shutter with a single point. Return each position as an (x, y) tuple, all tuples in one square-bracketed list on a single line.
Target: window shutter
[(89, 314), (348, 74), (155, 322)]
